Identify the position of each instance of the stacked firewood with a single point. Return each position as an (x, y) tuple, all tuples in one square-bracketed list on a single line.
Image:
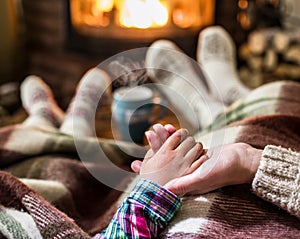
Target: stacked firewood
[(270, 55)]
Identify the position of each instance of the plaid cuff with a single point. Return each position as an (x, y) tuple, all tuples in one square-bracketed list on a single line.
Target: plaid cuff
[(159, 201)]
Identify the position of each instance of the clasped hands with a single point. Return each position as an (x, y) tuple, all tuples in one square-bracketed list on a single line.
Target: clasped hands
[(181, 165)]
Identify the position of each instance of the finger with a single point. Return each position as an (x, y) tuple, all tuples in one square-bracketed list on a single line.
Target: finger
[(205, 151), (153, 140), (170, 128), (189, 183), (180, 186), (159, 136), (186, 145), (136, 166), (197, 163), (194, 153), (174, 140), (161, 132)]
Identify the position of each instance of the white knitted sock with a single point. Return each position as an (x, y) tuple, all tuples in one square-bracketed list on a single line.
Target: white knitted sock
[(37, 99), (216, 54), (80, 116), (177, 79)]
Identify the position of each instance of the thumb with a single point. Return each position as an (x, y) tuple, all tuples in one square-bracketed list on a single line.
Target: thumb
[(190, 183), (136, 166), (180, 186)]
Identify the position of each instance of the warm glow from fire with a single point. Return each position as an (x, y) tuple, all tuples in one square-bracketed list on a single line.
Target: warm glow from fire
[(143, 14), (104, 5)]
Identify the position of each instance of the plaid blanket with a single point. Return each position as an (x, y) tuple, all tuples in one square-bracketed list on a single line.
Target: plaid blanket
[(269, 115), (48, 163)]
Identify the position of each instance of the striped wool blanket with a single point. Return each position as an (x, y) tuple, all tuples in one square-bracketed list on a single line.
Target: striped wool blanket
[(269, 115), (49, 163), (43, 180)]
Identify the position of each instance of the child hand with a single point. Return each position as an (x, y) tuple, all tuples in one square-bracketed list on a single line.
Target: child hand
[(176, 157), (156, 138)]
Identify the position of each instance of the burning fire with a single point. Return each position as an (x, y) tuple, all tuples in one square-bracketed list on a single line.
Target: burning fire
[(104, 5), (143, 13)]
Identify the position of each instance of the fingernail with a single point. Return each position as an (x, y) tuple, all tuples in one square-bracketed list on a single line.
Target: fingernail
[(147, 135), (156, 125)]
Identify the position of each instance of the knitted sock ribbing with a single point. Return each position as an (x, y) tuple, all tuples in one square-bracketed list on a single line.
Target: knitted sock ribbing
[(37, 99), (168, 66), (216, 54), (79, 120)]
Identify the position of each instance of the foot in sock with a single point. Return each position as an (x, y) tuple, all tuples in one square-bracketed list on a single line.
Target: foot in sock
[(176, 78), (165, 58), (37, 99), (79, 119), (216, 54)]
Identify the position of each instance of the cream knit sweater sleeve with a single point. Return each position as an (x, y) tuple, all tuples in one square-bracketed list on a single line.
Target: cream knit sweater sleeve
[(278, 178)]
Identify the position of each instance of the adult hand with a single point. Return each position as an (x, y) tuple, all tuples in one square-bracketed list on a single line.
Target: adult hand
[(222, 166)]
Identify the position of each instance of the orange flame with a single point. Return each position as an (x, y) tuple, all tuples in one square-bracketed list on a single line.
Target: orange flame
[(104, 5), (143, 14)]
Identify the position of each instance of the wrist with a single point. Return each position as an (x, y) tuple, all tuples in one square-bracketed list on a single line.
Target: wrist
[(155, 198), (253, 159), (157, 179)]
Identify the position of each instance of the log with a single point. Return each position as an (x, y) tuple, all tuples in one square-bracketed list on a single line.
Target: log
[(284, 39), (293, 54), (244, 52), (270, 60), (255, 62), (270, 54), (251, 79), (281, 41), (288, 71), (260, 40)]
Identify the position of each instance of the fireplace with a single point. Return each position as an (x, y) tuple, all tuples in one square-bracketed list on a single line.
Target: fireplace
[(109, 26), (67, 37)]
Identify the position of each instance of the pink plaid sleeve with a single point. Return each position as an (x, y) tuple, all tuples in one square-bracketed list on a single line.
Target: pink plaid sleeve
[(143, 214)]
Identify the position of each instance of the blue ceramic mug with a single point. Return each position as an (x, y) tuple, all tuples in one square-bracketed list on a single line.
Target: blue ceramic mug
[(133, 112)]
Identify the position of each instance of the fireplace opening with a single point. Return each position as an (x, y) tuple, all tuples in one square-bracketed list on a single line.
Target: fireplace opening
[(107, 27)]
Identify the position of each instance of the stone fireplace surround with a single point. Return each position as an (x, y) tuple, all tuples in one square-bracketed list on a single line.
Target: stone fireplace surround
[(60, 56)]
